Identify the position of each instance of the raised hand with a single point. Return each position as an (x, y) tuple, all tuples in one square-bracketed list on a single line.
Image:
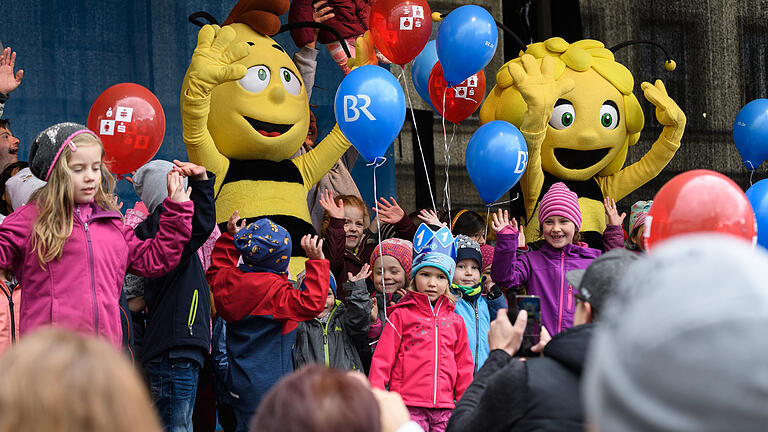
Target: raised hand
[(501, 219), (213, 61), (612, 216), (335, 210), (429, 217), (176, 191), (8, 81), (537, 84), (374, 310), (667, 111), (364, 273), (389, 212), (313, 246), (232, 224), (188, 169)]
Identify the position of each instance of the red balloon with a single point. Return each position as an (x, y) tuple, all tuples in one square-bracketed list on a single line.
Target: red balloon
[(460, 101), (400, 28), (131, 123), (699, 201)]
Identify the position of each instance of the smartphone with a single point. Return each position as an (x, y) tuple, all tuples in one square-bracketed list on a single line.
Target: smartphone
[(532, 305)]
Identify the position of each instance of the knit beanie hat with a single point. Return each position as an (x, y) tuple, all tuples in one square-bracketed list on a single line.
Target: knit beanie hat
[(265, 247), (560, 201), (638, 213), (680, 345), (48, 145), (21, 186), (401, 250), (151, 182), (486, 251), (466, 248), (434, 249), (300, 281)]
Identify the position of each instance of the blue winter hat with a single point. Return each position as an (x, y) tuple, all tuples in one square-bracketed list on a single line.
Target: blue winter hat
[(265, 247), (434, 259), (303, 287)]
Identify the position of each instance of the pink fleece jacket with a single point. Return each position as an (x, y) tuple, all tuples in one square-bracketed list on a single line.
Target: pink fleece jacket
[(423, 353), (81, 290)]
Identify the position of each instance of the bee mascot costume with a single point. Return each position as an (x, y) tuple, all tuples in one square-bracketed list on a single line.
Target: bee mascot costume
[(245, 112), (575, 107)]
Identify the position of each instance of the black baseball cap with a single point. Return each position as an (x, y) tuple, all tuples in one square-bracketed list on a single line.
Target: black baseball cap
[(595, 283)]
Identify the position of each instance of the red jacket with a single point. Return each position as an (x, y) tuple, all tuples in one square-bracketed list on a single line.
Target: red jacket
[(423, 353), (238, 294)]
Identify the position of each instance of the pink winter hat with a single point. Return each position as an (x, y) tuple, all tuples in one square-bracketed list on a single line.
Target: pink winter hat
[(399, 249), (560, 201)]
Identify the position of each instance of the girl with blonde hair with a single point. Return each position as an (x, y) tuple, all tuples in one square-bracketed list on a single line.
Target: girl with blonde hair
[(57, 381), (68, 246)]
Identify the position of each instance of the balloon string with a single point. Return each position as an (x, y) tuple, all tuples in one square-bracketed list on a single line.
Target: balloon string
[(379, 161), (418, 140), (751, 171), (447, 161), (488, 212)]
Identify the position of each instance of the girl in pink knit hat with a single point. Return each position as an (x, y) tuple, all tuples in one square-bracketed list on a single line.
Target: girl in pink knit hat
[(543, 271)]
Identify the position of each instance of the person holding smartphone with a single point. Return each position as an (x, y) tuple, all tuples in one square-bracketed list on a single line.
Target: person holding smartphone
[(540, 393)]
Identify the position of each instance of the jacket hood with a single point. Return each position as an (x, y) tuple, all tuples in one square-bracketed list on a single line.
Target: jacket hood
[(569, 347)]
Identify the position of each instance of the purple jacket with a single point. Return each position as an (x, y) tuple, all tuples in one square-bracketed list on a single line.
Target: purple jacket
[(81, 290), (543, 272)]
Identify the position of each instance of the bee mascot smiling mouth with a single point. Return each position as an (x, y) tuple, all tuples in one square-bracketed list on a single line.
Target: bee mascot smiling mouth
[(245, 112), (575, 107)]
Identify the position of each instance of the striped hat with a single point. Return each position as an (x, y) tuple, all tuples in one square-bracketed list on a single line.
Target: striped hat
[(560, 201), (401, 250)]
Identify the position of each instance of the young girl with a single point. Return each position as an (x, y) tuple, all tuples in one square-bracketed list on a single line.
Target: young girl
[(391, 266), (69, 248), (476, 310), (637, 226), (470, 224), (543, 271), (423, 352)]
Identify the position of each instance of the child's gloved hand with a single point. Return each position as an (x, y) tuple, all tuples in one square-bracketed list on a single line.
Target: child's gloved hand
[(176, 191), (313, 246), (232, 224), (365, 52), (667, 111), (213, 61)]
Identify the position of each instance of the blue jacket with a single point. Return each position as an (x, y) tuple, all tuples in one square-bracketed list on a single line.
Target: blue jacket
[(477, 313)]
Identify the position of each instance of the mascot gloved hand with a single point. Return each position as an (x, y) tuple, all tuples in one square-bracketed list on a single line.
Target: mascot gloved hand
[(244, 113), (574, 105)]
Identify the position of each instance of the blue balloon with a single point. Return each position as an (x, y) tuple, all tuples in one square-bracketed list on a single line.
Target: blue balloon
[(370, 110), (496, 159), (757, 195), (750, 133), (421, 68), (466, 42)]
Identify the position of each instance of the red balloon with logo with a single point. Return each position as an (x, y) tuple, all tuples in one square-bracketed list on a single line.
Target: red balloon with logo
[(699, 201), (131, 124), (461, 100), (400, 28)]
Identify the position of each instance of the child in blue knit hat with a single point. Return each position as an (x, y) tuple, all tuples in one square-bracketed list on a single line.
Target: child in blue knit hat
[(334, 337), (260, 305)]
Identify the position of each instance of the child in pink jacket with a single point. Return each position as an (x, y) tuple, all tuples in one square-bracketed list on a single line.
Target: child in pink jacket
[(69, 248), (423, 352)]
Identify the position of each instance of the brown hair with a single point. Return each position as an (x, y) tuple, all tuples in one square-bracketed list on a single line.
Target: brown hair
[(55, 203), (349, 201), (57, 381), (318, 399)]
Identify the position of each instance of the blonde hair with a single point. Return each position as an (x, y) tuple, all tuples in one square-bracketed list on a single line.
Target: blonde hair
[(55, 202), (57, 381), (578, 56), (349, 201), (448, 294)]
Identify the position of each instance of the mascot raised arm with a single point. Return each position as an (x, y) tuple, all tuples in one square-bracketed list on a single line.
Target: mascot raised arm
[(575, 107), (245, 112)]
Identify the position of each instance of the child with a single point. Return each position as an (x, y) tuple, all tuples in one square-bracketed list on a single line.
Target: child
[(260, 306), (543, 271), (476, 310), (69, 248), (423, 352), (470, 224), (177, 335), (335, 335), (637, 217), (391, 272)]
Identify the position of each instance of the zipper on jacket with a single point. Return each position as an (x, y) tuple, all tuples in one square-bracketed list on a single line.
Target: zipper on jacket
[(93, 280), (9, 295), (477, 335), (325, 337), (434, 315), (562, 291), (192, 311)]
